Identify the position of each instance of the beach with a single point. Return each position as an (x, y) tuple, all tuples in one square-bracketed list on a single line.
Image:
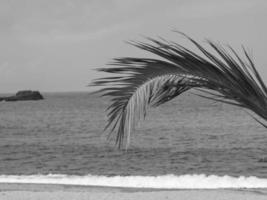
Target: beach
[(59, 192), (146, 100)]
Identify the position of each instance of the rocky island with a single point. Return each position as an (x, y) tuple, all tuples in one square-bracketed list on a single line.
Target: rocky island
[(24, 95)]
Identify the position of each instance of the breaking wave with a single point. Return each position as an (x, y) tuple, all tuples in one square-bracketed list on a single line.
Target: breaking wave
[(200, 181)]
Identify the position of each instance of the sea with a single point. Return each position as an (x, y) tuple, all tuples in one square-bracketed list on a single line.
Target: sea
[(189, 142)]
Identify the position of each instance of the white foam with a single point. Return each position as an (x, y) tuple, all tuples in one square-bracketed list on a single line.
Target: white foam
[(165, 182)]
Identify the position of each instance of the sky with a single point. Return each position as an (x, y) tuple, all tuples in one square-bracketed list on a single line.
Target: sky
[(56, 45)]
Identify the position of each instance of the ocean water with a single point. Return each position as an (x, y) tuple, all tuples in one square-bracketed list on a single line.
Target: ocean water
[(60, 139)]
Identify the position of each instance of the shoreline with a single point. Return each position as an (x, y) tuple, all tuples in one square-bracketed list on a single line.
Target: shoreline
[(21, 191)]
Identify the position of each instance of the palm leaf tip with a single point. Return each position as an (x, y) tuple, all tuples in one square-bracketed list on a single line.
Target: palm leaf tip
[(142, 82)]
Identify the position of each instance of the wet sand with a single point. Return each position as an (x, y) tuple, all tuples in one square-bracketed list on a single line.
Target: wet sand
[(60, 192)]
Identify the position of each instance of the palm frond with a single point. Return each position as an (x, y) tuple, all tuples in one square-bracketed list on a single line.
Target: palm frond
[(144, 82)]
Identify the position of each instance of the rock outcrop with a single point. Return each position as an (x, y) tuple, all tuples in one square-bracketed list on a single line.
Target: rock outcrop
[(24, 96)]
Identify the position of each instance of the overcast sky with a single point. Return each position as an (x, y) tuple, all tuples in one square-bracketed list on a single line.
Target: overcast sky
[(53, 45)]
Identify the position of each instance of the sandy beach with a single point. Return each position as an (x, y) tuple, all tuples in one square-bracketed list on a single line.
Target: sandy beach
[(59, 192)]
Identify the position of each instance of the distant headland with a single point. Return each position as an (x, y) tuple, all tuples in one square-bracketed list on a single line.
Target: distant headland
[(24, 95)]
